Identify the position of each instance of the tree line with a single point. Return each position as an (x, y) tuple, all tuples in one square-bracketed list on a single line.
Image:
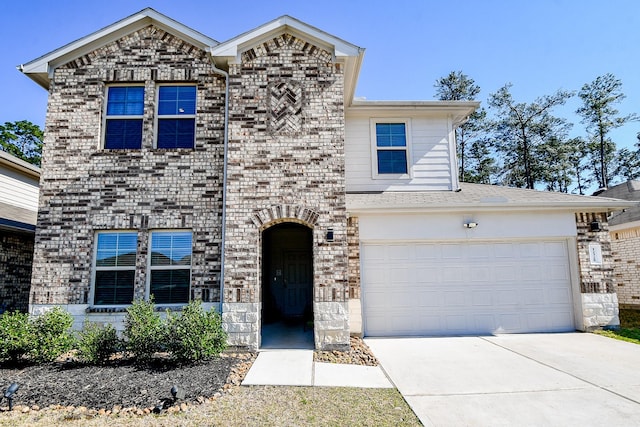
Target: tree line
[(523, 144)]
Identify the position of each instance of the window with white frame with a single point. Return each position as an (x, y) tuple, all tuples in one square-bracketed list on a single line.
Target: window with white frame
[(170, 266), (123, 118), (176, 116), (390, 147), (115, 267)]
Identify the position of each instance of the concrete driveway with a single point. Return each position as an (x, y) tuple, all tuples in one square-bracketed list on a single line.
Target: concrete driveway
[(571, 379)]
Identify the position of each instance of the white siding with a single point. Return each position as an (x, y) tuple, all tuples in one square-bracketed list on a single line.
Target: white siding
[(17, 189), (431, 156)]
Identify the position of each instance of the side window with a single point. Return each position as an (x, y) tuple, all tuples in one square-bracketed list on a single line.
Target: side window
[(170, 266), (115, 267), (391, 148), (125, 108), (176, 116)]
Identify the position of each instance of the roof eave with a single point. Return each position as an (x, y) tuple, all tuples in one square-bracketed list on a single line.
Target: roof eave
[(19, 165), (40, 69), (496, 207)]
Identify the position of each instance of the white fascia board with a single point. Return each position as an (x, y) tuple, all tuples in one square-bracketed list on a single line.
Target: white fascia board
[(233, 47), (459, 111), (15, 163), (45, 64), (554, 207)]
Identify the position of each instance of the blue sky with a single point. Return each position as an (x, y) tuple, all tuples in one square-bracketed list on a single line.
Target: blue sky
[(539, 46)]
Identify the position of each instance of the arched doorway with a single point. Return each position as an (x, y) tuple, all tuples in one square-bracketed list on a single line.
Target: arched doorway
[(287, 286)]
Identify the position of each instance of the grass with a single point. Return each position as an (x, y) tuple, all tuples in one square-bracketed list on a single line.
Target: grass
[(255, 406), (629, 327)]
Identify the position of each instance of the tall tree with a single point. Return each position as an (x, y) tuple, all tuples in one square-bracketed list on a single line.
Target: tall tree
[(600, 116), (579, 160), (22, 139), (520, 129), (457, 86)]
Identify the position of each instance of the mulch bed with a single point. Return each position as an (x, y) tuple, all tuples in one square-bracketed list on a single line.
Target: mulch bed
[(122, 385)]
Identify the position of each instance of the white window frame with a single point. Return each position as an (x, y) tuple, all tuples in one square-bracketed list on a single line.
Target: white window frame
[(106, 117), (374, 148), (95, 268), (157, 117), (168, 267)]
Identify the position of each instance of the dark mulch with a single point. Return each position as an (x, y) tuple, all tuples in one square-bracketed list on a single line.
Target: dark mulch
[(121, 383)]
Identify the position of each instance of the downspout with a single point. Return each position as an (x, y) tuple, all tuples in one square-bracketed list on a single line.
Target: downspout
[(224, 172)]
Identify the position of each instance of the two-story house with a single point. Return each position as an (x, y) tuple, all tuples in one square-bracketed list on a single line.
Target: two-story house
[(245, 174)]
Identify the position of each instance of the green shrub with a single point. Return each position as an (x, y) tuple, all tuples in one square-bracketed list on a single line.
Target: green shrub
[(15, 336), (144, 330), (97, 342), (52, 335), (195, 334)]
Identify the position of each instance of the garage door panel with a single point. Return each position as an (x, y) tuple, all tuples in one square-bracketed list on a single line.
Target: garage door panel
[(466, 288)]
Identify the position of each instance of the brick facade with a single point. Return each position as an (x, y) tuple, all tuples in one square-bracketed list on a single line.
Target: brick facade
[(86, 188), (16, 257), (285, 158), (625, 247), (599, 299)]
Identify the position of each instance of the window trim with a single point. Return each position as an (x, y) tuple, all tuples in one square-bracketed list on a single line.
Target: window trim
[(106, 117), (94, 267), (374, 148), (147, 293), (157, 117)]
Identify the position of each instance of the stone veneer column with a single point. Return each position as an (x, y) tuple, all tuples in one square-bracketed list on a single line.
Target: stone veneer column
[(286, 163), (599, 299)]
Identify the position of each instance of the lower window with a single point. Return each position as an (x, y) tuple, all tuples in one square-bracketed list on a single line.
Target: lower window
[(115, 264), (170, 266)]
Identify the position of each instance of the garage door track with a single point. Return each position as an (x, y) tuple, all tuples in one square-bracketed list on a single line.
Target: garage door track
[(572, 379)]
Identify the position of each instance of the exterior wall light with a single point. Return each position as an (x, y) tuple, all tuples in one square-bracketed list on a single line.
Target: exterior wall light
[(330, 235), (595, 226), (470, 224)]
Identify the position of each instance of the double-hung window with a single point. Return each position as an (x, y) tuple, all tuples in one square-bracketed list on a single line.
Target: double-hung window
[(115, 267), (170, 266), (123, 125), (391, 148), (176, 116)]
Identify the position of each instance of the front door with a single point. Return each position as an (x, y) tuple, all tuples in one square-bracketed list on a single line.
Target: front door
[(297, 283)]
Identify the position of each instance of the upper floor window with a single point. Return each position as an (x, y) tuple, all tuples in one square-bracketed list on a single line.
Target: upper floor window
[(115, 267), (170, 266), (125, 108), (176, 116), (391, 148)]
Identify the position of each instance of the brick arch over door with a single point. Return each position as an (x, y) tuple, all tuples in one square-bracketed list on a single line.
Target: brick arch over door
[(276, 214)]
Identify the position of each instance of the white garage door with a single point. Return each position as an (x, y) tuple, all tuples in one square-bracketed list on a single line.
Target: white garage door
[(466, 288)]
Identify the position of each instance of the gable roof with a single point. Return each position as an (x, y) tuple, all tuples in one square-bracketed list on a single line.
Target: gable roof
[(480, 197), (349, 54), (41, 69)]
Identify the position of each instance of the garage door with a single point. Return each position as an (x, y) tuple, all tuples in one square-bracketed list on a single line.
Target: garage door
[(466, 288)]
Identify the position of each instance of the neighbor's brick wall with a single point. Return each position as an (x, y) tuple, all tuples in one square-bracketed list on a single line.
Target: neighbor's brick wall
[(625, 248), (286, 151), (16, 258), (85, 188), (594, 278)]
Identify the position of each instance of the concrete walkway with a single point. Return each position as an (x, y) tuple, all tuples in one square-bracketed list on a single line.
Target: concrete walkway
[(516, 380), (297, 368)]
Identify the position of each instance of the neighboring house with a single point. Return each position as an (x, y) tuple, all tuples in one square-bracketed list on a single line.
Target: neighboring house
[(18, 212), (246, 175), (624, 227)]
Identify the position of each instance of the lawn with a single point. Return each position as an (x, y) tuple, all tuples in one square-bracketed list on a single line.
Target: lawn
[(629, 327)]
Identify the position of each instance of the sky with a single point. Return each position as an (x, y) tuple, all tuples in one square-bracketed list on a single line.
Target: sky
[(538, 46)]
